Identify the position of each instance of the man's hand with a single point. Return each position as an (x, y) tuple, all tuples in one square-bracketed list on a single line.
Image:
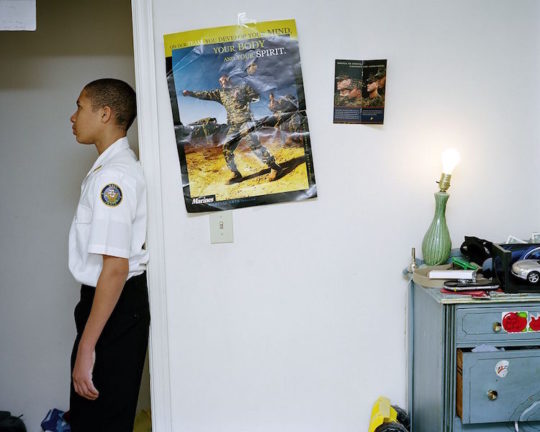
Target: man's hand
[(187, 93), (82, 374), (109, 287)]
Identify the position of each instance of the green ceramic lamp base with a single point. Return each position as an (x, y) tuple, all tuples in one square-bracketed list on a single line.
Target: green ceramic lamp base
[(436, 245)]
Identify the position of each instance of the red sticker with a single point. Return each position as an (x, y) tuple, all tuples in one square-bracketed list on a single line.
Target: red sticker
[(514, 322), (534, 323)]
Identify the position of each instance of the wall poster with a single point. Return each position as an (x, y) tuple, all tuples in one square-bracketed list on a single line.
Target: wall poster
[(359, 91), (239, 113)]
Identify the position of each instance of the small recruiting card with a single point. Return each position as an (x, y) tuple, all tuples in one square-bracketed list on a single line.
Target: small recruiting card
[(359, 91)]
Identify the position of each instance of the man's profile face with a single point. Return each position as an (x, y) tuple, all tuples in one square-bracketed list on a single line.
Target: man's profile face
[(86, 122), (224, 81), (251, 69), (344, 84), (372, 86)]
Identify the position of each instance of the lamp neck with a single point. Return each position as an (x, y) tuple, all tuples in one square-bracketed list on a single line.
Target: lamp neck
[(441, 199)]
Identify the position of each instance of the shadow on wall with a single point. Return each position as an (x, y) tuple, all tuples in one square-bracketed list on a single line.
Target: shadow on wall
[(57, 23)]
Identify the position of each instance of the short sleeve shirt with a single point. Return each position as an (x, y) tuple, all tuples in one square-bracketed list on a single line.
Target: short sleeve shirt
[(111, 216)]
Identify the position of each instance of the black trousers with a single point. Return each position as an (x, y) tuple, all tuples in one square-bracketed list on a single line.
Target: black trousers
[(120, 355)]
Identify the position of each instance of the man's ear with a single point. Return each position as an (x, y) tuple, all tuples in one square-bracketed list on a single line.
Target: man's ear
[(106, 114)]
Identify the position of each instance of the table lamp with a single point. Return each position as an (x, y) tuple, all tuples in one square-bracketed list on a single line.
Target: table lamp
[(436, 245)]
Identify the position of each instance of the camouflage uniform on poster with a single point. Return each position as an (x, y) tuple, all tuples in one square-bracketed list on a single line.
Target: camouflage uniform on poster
[(353, 100), (288, 118), (374, 99), (376, 102), (236, 100), (381, 78), (348, 94)]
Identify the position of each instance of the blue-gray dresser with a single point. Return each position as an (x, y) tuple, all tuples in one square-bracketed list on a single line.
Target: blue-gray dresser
[(452, 388)]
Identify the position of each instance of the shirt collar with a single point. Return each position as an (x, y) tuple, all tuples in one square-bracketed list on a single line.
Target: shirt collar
[(109, 153)]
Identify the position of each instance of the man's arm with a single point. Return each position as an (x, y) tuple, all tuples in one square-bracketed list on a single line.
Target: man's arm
[(212, 95), (250, 94), (109, 287)]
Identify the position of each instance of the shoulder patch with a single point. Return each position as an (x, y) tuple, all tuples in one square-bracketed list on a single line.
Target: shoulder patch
[(111, 195)]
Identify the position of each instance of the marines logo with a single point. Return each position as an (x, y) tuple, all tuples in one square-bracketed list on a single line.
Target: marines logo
[(111, 195)]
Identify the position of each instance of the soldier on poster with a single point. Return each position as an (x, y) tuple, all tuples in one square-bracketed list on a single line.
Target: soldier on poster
[(373, 99), (289, 122), (373, 91), (239, 111), (347, 92), (236, 100)]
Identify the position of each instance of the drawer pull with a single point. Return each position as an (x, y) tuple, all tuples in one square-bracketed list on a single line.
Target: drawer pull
[(492, 394), (497, 327)]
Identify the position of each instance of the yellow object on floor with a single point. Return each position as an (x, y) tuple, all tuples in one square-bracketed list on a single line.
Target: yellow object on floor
[(143, 422), (381, 413)]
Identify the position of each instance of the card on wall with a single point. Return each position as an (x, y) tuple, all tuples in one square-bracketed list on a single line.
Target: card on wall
[(360, 91)]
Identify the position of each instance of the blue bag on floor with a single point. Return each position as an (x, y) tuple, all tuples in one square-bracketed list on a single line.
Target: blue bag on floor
[(54, 422)]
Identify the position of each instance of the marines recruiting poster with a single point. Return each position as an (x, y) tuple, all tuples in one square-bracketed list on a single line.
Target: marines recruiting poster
[(359, 91), (239, 112)]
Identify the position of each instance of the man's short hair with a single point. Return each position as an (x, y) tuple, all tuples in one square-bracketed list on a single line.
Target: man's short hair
[(342, 77), (117, 95)]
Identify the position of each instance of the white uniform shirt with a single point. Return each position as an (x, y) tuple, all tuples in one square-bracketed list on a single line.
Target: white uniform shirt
[(111, 216)]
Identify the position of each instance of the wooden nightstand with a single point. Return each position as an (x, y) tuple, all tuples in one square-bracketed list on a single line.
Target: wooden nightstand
[(453, 389)]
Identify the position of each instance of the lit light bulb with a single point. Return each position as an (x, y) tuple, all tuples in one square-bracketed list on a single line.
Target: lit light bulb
[(450, 159)]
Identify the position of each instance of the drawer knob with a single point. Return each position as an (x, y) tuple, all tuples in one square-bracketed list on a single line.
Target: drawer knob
[(492, 394), (497, 327)]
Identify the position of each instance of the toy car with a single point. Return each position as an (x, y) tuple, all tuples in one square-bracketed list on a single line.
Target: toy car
[(528, 269)]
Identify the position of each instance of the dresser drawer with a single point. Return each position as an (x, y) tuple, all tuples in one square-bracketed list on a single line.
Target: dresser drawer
[(498, 325), (498, 386)]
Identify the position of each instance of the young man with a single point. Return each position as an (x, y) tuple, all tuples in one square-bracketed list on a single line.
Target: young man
[(107, 256), (347, 94), (374, 99)]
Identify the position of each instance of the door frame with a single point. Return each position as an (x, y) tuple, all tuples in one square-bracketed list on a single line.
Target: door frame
[(147, 107)]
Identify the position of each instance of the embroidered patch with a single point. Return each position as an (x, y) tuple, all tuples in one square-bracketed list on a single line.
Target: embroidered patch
[(111, 195)]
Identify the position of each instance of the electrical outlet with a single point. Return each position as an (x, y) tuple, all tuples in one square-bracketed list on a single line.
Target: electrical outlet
[(221, 227)]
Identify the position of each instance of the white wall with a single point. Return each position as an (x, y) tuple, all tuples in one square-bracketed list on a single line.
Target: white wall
[(41, 169), (300, 323)]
